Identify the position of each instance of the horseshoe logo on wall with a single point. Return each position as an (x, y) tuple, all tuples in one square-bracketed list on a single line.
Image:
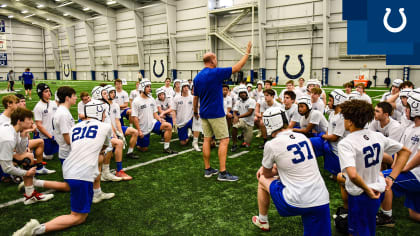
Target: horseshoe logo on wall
[(154, 69), (397, 29), (66, 70), (302, 67)]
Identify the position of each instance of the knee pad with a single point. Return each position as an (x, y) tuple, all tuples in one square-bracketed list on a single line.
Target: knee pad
[(25, 163)]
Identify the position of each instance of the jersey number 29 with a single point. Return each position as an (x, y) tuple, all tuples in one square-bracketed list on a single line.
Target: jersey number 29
[(86, 132)]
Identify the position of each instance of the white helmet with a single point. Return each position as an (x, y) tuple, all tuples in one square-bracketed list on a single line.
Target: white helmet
[(95, 109), (274, 118), (312, 82), (339, 96), (143, 84), (56, 98), (109, 89), (242, 89), (97, 92), (305, 100), (249, 85), (354, 95), (414, 102), (177, 81), (185, 83), (405, 92), (159, 91), (260, 82), (397, 83)]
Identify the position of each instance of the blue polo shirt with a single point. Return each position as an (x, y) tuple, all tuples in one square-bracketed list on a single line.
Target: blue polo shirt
[(27, 77), (208, 87)]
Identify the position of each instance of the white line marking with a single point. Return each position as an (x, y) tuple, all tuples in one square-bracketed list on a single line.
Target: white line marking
[(238, 154), (172, 140), (21, 200)]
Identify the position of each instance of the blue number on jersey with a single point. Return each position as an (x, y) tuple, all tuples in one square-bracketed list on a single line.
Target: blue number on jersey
[(298, 151), (79, 133), (372, 154)]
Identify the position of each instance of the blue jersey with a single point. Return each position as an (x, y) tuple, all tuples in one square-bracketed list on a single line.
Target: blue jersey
[(208, 87), (27, 77)]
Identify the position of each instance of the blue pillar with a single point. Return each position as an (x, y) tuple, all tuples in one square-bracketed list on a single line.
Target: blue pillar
[(406, 74), (174, 74), (262, 74), (115, 74), (325, 76), (74, 76), (252, 76), (57, 73), (277, 79), (93, 73), (45, 75), (142, 73)]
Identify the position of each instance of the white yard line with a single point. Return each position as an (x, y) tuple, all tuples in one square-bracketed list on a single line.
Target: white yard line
[(172, 140), (238, 154)]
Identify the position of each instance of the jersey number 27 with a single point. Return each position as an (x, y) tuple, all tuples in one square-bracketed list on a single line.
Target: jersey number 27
[(371, 154)]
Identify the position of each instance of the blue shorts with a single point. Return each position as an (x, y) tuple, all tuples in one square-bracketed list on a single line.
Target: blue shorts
[(61, 161), (145, 141), (81, 195), (406, 184), (323, 148), (183, 132), (124, 129), (316, 220), (362, 214), (169, 120), (124, 114)]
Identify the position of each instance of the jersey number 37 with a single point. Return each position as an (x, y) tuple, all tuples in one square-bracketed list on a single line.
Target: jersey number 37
[(297, 150)]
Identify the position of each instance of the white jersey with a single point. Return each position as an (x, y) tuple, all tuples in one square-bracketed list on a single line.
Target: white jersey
[(183, 106), (44, 112), (297, 93), (405, 123), (164, 105), (264, 105), (81, 108), (385, 96), (227, 103), (169, 91), (317, 119), (143, 109), (10, 141), (297, 168), (302, 90), (63, 122), (4, 119), (82, 163), (257, 95), (364, 150), (121, 97), (115, 114), (176, 94), (292, 113), (242, 107), (336, 127), (366, 98), (133, 94), (319, 105), (392, 130), (411, 140)]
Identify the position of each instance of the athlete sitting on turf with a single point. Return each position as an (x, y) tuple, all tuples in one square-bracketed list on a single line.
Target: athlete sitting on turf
[(169, 91), (85, 98), (177, 88), (361, 153), (79, 170), (292, 112), (384, 123), (312, 122), (164, 105), (227, 106), (408, 182), (261, 107), (317, 103), (134, 93), (300, 189), (395, 89), (360, 87), (122, 99), (258, 93), (146, 119)]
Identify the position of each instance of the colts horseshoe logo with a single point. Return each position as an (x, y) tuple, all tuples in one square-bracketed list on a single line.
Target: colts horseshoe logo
[(397, 29), (154, 69), (66, 70), (302, 67)]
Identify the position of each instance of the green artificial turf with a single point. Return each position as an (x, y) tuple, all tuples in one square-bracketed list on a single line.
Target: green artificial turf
[(171, 197)]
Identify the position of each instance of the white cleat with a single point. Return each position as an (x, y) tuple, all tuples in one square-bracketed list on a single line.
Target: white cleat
[(37, 197), (28, 229), (48, 157), (108, 176), (196, 147), (45, 171), (102, 196), (264, 226)]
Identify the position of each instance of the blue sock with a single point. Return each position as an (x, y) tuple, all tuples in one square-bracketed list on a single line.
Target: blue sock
[(62, 161), (119, 166), (39, 166)]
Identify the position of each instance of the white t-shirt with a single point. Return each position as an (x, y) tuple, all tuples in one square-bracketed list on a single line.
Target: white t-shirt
[(302, 90), (405, 123), (115, 114), (336, 127), (63, 122), (264, 105), (4, 119), (143, 109), (45, 112), (292, 114), (121, 97), (257, 95), (297, 92), (10, 141), (82, 163), (183, 106), (411, 140), (319, 106), (242, 107), (298, 169), (366, 98), (227, 103), (317, 118), (81, 108), (164, 105), (133, 94), (385, 96), (364, 150), (169, 91), (392, 130)]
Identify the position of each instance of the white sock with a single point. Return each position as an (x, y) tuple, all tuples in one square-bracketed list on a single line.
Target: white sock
[(166, 145), (263, 218), (130, 150), (39, 183), (105, 167), (388, 213), (29, 190), (195, 140), (40, 229), (131, 125), (97, 191)]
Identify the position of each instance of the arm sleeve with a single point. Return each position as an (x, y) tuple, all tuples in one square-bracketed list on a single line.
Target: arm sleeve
[(6, 150), (396, 133), (296, 116), (224, 73), (339, 128), (268, 157), (126, 97), (315, 118), (252, 104), (346, 155), (392, 146), (9, 168), (155, 106), (236, 107), (37, 113), (372, 125), (80, 108), (134, 108)]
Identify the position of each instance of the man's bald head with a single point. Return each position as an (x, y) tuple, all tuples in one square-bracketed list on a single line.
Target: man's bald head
[(210, 60)]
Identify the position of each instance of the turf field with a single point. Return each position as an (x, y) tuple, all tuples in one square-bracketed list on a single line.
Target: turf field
[(171, 196)]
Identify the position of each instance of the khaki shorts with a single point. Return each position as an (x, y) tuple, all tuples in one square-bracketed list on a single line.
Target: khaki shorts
[(215, 127), (247, 129)]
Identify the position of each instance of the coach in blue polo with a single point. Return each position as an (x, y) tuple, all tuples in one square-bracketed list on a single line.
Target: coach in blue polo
[(208, 90)]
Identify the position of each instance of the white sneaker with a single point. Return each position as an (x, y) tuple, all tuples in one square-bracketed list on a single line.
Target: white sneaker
[(28, 229), (37, 197), (264, 226), (48, 157), (102, 196), (196, 147), (259, 134), (108, 176), (45, 171)]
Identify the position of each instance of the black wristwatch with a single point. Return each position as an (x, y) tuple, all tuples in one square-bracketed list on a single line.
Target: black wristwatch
[(392, 178)]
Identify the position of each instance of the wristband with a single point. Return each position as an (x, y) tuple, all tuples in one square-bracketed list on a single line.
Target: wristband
[(195, 113), (392, 178)]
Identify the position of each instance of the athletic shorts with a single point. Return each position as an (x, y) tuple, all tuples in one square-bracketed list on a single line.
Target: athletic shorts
[(316, 220), (81, 195), (124, 114), (362, 214), (169, 120), (406, 184), (145, 141), (323, 148), (183, 132), (124, 129), (27, 86), (50, 146), (215, 127)]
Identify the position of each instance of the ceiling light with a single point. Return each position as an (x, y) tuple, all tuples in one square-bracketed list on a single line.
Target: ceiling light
[(66, 14), (48, 19), (65, 4), (86, 9), (40, 6), (111, 2), (11, 16), (28, 16), (3, 5), (24, 11)]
